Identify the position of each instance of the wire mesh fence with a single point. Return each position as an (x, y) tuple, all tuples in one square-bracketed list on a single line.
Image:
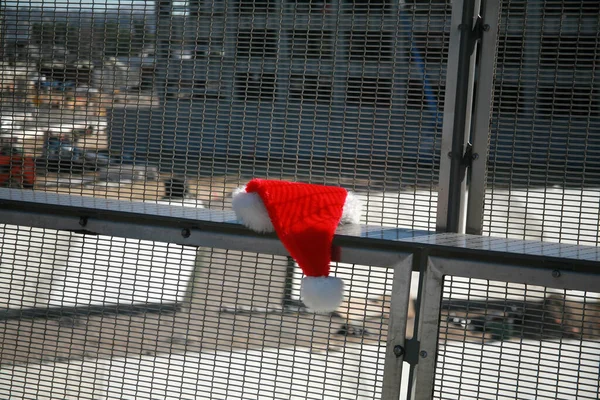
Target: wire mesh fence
[(180, 103), (508, 340), (151, 320), (111, 96), (543, 171)]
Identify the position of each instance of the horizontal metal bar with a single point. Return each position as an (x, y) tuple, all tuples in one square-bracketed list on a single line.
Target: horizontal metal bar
[(88, 310), (373, 245), (498, 271), (187, 233)]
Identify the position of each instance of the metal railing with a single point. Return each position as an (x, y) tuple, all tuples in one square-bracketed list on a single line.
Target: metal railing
[(472, 309), (128, 277)]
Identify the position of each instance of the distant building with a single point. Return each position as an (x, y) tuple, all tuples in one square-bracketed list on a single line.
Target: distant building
[(114, 74), (297, 75), (140, 71), (17, 32), (272, 78), (547, 92)]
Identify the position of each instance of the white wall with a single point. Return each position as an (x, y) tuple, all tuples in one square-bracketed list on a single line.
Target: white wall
[(67, 381), (48, 268), (31, 262)]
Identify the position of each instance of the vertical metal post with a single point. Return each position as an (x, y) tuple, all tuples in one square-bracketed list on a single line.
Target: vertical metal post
[(229, 63), (403, 24), (460, 78), (394, 357), (427, 329), (195, 8), (284, 62), (481, 119)]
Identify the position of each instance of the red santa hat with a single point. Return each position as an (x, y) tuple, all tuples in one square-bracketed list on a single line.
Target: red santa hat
[(305, 218)]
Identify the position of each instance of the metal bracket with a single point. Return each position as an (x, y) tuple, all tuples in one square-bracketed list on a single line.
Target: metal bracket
[(478, 29), (475, 33), (467, 161), (83, 223), (412, 349)]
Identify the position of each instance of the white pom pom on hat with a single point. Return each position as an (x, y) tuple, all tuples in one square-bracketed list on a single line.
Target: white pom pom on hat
[(305, 218)]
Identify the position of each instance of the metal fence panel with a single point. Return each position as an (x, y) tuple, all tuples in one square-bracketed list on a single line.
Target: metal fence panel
[(153, 320), (116, 100), (545, 124), (171, 104), (508, 331), (177, 104)]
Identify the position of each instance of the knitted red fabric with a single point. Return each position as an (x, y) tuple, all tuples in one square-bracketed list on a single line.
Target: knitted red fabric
[(305, 217)]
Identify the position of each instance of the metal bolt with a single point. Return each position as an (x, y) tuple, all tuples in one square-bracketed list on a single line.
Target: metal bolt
[(556, 273), (398, 350), (185, 232), (423, 354), (462, 27), (475, 156), (449, 154), (83, 221), (68, 321), (486, 27)]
